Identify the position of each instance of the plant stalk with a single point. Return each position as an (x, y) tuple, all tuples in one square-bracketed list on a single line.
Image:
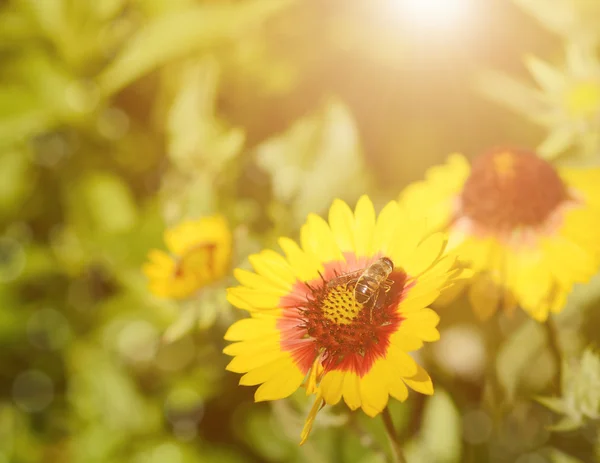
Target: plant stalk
[(397, 454)]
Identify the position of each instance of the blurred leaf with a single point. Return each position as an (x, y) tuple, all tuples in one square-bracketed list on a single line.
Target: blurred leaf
[(16, 180), (188, 194), (553, 403), (198, 140), (440, 438), (510, 93), (548, 78), (576, 20), (517, 353), (556, 456), (266, 437), (558, 141), (183, 32), (106, 395), (316, 160), (22, 114), (49, 14), (109, 202), (183, 325)]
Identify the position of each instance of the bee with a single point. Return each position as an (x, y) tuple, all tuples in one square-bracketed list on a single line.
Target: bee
[(368, 281), (374, 277)]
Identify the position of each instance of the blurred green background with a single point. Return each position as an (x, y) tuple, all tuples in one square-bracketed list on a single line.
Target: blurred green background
[(121, 117)]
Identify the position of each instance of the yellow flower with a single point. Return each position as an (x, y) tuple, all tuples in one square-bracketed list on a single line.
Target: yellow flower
[(566, 100), (200, 255), (307, 327), (529, 230)]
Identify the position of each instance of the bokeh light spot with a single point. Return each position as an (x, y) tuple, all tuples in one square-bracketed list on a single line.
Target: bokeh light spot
[(33, 391), (48, 329), (176, 355), (461, 351), (477, 427), (12, 259), (167, 452), (137, 341)]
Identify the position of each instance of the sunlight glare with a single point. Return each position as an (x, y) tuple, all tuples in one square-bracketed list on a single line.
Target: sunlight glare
[(431, 14)]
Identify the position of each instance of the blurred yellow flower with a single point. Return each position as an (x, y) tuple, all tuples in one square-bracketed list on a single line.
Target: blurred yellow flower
[(314, 322), (200, 254), (566, 100), (529, 230)]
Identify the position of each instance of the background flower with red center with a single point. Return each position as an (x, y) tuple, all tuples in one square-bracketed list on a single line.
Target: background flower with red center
[(529, 230), (200, 254), (307, 328)]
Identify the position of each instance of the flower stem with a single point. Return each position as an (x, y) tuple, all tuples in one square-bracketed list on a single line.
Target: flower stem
[(554, 345), (398, 456)]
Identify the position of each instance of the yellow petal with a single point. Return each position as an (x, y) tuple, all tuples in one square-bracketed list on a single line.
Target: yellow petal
[(254, 298), (341, 221), (364, 226), (401, 363), (484, 296), (273, 267), (264, 344), (255, 281), (317, 239), (331, 386), (306, 266), (310, 419), (423, 324), (387, 222), (283, 385), (265, 372), (244, 363), (426, 254), (421, 382), (351, 390), (374, 389), (412, 304), (405, 340), (397, 388)]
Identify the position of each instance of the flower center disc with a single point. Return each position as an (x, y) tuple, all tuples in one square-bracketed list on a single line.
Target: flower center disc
[(508, 189), (350, 334)]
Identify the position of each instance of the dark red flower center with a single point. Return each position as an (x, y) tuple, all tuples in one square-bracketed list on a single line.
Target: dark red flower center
[(349, 335), (510, 188)]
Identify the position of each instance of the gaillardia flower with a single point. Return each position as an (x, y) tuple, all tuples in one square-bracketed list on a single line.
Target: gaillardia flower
[(200, 254), (339, 313), (529, 230)]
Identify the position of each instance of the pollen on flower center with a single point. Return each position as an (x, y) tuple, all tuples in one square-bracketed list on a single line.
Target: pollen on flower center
[(508, 189), (340, 306), (344, 329)]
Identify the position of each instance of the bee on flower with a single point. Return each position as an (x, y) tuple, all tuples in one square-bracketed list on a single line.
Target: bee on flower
[(529, 230), (339, 313), (199, 254)]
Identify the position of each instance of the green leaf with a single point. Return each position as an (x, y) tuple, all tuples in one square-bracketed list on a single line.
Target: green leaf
[(555, 404), (303, 160), (181, 33), (441, 432), (510, 93), (198, 140), (516, 355), (550, 79), (183, 325), (110, 203), (556, 456), (565, 425), (16, 179), (557, 141)]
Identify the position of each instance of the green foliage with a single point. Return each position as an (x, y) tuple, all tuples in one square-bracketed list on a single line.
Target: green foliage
[(580, 401), (120, 118)]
